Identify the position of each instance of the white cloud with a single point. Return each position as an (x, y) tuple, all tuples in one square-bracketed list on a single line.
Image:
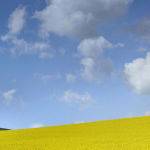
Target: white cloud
[(47, 77), (78, 17), (93, 47), (9, 96), (19, 46), (147, 113), (71, 97), (17, 20), (79, 122), (121, 45), (70, 78), (37, 125), (22, 47), (137, 74), (96, 69), (45, 55), (95, 66)]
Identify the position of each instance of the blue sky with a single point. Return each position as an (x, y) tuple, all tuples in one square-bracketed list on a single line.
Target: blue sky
[(66, 61)]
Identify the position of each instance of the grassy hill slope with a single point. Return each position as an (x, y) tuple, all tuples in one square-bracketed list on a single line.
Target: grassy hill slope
[(122, 134)]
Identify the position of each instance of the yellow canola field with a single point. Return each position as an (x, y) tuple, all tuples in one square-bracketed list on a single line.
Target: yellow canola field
[(121, 134)]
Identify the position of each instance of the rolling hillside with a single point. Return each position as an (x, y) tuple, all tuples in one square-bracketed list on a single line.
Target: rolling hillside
[(121, 134)]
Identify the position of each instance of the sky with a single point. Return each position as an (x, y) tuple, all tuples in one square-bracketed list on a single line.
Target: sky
[(66, 61)]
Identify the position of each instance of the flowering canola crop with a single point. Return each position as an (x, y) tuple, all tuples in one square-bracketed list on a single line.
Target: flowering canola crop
[(121, 134)]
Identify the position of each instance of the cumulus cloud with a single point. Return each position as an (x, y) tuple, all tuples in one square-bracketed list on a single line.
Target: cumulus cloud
[(9, 96), (80, 17), (95, 66), (96, 70), (137, 74), (16, 23), (19, 46), (17, 20), (93, 47), (71, 97)]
